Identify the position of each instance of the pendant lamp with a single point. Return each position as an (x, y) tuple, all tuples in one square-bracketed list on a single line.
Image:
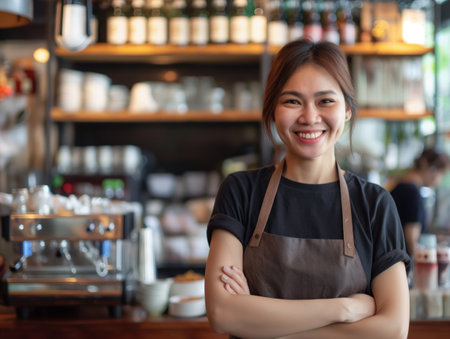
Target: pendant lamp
[(15, 13)]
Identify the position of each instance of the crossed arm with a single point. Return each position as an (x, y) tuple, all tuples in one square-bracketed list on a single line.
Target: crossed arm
[(231, 309)]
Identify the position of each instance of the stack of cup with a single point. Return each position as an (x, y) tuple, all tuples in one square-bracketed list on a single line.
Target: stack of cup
[(70, 90), (95, 91)]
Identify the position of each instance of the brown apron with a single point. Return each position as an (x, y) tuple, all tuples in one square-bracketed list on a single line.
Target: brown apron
[(294, 268)]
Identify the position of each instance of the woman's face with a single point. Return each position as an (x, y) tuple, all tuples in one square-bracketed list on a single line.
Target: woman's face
[(310, 114)]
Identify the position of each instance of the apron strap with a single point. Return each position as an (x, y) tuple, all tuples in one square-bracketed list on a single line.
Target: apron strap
[(266, 206), (347, 223), (269, 197)]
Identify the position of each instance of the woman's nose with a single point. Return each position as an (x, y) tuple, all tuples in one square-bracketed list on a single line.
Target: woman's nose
[(309, 114)]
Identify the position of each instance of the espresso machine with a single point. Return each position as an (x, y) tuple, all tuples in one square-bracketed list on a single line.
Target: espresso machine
[(69, 260)]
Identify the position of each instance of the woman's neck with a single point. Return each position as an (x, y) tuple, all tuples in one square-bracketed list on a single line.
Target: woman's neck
[(310, 171)]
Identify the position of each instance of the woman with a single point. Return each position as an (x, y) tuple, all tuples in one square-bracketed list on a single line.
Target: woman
[(279, 268), (428, 170)]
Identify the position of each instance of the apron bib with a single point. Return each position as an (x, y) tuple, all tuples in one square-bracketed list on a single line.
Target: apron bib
[(295, 268)]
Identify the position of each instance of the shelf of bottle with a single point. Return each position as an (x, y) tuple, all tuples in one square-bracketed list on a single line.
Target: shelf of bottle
[(166, 54), (125, 116), (391, 114)]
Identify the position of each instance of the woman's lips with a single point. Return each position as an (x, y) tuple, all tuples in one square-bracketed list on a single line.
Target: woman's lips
[(309, 137)]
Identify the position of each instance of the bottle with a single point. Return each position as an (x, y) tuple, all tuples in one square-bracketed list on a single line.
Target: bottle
[(199, 23), (239, 23), (157, 23), (329, 25), (117, 24), (258, 24), (179, 24), (277, 29), (294, 18), (137, 23), (219, 22), (345, 23), (312, 28)]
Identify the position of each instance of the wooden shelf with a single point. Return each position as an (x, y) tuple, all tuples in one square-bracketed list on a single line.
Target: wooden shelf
[(391, 114), (167, 54), (380, 48), (203, 116), (125, 116)]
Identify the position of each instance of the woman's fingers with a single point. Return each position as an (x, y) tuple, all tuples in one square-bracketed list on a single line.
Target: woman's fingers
[(234, 277)]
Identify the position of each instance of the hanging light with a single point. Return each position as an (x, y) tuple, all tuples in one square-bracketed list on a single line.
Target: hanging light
[(15, 13)]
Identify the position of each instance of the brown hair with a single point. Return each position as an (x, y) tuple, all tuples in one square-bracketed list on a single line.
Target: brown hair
[(296, 54), (431, 158)]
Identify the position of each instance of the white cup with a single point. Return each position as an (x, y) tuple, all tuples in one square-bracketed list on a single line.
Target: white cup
[(141, 98), (90, 159), (105, 159), (64, 159), (131, 159)]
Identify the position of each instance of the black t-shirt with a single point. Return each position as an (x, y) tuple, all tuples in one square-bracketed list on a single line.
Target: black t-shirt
[(314, 212), (409, 203)]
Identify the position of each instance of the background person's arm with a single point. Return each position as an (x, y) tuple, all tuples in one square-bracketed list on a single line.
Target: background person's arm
[(261, 317), (411, 231)]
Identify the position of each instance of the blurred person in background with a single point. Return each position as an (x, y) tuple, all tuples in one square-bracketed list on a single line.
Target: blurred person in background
[(428, 170)]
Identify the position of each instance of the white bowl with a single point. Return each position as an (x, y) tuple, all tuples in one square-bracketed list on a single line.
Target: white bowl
[(187, 307), (194, 288)]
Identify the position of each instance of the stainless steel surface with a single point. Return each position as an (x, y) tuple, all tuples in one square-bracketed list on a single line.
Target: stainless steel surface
[(90, 227), (74, 287)]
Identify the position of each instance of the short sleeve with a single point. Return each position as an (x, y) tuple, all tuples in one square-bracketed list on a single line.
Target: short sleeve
[(389, 242), (229, 208)]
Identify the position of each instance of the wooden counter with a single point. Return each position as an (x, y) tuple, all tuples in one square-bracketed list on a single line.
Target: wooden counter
[(94, 322)]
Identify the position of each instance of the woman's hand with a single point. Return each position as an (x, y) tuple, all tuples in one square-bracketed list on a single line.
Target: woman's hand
[(234, 280), (357, 307)]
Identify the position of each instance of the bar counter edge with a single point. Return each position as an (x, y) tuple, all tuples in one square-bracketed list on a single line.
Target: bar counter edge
[(136, 324)]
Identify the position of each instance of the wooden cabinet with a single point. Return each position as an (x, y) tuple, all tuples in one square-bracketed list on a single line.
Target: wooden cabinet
[(200, 139)]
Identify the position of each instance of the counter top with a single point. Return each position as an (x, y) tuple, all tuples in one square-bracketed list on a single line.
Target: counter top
[(94, 322)]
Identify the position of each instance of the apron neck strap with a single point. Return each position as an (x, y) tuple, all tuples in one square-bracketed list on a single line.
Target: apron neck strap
[(267, 204), (269, 197), (347, 222)]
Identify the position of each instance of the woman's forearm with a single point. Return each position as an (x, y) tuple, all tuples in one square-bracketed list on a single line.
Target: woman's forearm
[(260, 317), (391, 320), (378, 326)]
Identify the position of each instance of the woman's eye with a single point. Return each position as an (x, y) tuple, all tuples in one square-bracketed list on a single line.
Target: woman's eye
[(291, 101), (326, 101)]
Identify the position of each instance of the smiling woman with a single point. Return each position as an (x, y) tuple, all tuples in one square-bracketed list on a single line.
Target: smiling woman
[(303, 249)]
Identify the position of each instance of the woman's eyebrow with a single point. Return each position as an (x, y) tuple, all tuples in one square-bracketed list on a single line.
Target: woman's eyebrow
[(320, 93), (300, 95)]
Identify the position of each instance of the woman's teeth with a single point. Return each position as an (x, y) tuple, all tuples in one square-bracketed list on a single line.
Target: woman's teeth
[(309, 135)]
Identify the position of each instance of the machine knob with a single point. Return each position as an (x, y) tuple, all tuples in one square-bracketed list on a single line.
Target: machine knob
[(91, 227)]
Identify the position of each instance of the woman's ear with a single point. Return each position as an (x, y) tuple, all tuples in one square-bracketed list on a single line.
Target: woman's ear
[(348, 114)]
